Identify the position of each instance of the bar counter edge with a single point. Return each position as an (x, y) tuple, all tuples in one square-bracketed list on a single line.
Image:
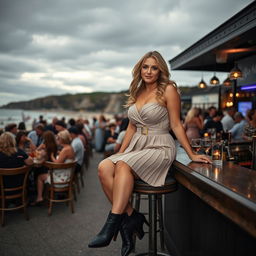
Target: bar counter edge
[(203, 216)]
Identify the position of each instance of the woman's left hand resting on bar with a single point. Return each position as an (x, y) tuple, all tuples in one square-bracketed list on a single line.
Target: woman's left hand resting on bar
[(173, 105)]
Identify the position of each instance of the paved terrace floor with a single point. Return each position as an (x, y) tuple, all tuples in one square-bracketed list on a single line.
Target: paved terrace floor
[(63, 233)]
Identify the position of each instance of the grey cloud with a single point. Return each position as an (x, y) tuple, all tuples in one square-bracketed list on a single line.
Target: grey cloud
[(97, 37)]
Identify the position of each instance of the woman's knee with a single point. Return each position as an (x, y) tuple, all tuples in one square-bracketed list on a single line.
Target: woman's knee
[(121, 166), (42, 177), (105, 169)]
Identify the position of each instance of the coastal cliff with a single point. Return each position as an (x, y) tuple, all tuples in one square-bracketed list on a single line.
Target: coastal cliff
[(94, 102)]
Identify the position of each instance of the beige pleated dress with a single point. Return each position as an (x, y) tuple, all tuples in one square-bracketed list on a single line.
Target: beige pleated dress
[(152, 149)]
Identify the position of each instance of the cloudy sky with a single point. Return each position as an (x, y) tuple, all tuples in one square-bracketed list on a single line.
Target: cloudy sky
[(73, 46)]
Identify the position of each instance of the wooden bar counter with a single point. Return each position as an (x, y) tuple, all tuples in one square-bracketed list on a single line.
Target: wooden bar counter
[(213, 212)]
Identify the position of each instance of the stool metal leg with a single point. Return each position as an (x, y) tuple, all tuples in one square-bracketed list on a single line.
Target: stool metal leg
[(152, 236), (152, 246), (161, 220), (137, 208), (137, 202)]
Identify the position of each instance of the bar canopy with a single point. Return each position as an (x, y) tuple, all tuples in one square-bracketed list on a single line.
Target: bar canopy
[(235, 39)]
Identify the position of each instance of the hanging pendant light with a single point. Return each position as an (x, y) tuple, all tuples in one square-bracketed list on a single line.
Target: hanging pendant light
[(227, 82), (202, 84), (235, 73), (215, 80)]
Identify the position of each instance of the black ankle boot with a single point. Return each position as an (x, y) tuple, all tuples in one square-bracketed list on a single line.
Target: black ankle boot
[(109, 231), (137, 219), (131, 225), (126, 232)]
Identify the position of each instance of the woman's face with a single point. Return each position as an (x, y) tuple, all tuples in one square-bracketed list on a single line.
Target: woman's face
[(150, 71), (23, 138)]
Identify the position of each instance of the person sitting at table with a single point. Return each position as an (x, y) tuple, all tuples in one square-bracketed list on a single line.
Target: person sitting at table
[(193, 124), (214, 123), (49, 145), (237, 130), (37, 135), (78, 148), (12, 128), (60, 126), (250, 127), (12, 157), (228, 120), (46, 149), (22, 126), (123, 127), (66, 155), (81, 134), (110, 138), (24, 143)]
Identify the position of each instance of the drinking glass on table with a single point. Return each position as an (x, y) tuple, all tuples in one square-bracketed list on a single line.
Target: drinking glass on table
[(196, 144), (212, 133), (207, 146)]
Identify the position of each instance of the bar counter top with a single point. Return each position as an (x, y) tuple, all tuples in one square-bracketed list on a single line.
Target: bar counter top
[(230, 189)]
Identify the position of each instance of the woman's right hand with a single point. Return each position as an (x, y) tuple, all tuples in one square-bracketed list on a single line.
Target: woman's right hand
[(200, 158)]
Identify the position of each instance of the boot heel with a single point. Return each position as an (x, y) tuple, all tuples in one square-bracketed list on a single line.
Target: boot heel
[(115, 235), (140, 233)]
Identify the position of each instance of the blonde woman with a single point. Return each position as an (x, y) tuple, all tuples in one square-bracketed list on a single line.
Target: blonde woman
[(147, 151), (193, 124), (12, 157), (66, 155)]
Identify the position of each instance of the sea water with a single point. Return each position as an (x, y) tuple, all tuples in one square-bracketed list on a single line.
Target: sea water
[(8, 116)]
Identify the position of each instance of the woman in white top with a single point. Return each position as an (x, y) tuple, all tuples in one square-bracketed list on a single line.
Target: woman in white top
[(66, 155)]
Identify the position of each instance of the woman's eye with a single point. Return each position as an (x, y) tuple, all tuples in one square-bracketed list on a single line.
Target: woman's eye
[(145, 67), (155, 68)]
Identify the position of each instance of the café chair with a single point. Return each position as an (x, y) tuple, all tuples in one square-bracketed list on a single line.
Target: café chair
[(64, 188), (17, 193)]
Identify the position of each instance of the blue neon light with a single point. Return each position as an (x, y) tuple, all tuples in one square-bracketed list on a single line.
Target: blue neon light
[(248, 87)]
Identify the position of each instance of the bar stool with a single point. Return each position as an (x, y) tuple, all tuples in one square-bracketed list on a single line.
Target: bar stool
[(154, 196)]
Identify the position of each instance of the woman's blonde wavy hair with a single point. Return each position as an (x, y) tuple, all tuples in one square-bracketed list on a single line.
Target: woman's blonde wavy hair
[(138, 84), (193, 112), (7, 144)]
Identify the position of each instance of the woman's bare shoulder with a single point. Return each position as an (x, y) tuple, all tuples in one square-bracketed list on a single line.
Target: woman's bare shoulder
[(171, 90)]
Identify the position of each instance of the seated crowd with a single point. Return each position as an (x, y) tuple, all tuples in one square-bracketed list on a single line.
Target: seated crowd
[(63, 142), (58, 142), (198, 123)]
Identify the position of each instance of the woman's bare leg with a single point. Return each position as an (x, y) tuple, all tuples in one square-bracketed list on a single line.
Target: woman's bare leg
[(40, 186), (106, 174), (122, 188)]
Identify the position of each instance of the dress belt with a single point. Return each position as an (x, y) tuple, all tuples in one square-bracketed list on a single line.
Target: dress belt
[(149, 131)]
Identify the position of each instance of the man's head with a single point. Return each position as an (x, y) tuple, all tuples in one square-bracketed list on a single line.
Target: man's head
[(12, 128), (238, 117), (39, 129), (218, 116), (60, 126), (73, 132), (231, 111), (212, 111)]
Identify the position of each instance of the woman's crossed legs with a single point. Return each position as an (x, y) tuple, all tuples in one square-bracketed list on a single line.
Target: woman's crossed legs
[(117, 181)]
